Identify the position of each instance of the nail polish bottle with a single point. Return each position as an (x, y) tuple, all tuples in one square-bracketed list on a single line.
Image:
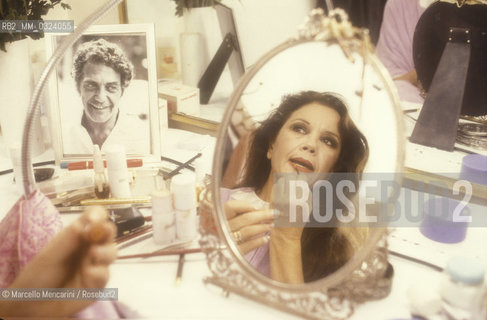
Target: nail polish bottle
[(102, 189)]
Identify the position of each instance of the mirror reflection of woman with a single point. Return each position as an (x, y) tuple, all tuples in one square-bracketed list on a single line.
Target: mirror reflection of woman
[(310, 132)]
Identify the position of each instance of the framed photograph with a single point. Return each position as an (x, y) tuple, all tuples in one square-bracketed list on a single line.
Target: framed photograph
[(104, 92)]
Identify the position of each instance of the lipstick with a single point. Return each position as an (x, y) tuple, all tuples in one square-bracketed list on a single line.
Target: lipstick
[(81, 165)]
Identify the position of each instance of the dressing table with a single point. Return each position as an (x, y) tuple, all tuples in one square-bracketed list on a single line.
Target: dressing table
[(148, 285)]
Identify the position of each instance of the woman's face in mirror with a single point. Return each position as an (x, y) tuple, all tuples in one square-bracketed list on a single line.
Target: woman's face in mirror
[(309, 133), (309, 141)]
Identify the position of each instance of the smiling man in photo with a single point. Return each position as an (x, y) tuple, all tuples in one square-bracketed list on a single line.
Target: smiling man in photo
[(102, 72)]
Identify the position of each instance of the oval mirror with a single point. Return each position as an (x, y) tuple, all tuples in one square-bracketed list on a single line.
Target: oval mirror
[(308, 124)]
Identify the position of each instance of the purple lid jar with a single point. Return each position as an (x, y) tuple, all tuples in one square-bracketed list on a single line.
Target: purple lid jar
[(440, 224), (474, 168)]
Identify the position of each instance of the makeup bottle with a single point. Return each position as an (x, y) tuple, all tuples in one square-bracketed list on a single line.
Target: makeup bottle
[(163, 217), (199, 176), (118, 175), (183, 188), (462, 289), (102, 189)]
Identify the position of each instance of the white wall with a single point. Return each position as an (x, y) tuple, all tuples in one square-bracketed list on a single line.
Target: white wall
[(261, 24), (82, 8)]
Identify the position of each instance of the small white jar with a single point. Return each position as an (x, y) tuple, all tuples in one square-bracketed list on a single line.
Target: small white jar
[(462, 289), (118, 175), (186, 224), (184, 188), (163, 217)]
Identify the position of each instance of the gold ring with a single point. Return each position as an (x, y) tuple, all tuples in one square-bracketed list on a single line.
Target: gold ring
[(238, 236)]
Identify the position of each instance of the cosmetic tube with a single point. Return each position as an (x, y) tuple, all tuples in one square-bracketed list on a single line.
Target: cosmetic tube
[(183, 188), (163, 217), (118, 176)]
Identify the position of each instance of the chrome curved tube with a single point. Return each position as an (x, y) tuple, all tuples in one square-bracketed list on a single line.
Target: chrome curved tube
[(34, 107)]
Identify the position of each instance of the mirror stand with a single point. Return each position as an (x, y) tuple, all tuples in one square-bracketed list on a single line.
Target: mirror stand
[(371, 280), (366, 275)]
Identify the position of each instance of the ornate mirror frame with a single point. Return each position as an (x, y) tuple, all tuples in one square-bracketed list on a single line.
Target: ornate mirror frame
[(367, 275)]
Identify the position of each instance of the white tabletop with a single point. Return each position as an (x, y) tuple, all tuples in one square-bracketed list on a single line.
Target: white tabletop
[(150, 289)]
